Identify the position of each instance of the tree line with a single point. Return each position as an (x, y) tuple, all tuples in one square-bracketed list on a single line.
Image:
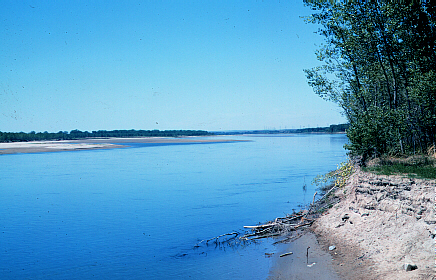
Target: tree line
[(77, 134), (334, 128), (379, 65)]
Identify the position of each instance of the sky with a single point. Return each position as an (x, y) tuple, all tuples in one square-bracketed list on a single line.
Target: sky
[(180, 64)]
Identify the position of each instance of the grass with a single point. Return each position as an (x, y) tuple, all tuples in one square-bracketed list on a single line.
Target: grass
[(422, 167)]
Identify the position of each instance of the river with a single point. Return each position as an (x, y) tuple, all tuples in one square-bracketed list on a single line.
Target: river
[(138, 212)]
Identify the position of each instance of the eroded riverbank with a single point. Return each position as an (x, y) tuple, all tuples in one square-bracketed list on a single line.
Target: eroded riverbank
[(381, 225)]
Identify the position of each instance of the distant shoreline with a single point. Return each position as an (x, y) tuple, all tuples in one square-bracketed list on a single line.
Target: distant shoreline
[(96, 144), (76, 134)]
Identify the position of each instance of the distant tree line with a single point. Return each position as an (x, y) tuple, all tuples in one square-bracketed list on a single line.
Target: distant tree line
[(77, 134), (334, 128), (379, 65)]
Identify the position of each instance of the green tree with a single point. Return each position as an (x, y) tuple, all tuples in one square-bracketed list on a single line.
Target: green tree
[(379, 61)]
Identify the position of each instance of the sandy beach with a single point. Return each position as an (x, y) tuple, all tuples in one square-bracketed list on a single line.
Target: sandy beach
[(382, 227), (95, 143)]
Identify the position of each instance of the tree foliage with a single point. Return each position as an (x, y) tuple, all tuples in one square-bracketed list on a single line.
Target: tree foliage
[(77, 134), (379, 65)]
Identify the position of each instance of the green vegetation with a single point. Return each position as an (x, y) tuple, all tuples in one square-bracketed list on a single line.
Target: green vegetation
[(334, 128), (335, 178), (379, 65), (417, 167), (77, 134)]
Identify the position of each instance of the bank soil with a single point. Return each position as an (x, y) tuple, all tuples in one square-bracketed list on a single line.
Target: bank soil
[(383, 227)]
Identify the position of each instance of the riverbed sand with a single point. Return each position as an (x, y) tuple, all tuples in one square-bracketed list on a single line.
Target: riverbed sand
[(95, 143)]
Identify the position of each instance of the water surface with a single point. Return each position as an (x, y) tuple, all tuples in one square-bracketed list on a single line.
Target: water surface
[(136, 213)]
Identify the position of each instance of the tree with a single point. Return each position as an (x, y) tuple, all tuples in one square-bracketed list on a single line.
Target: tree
[(379, 65)]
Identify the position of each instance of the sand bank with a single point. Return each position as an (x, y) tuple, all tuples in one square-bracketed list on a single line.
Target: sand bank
[(95, 143), (381, 224)]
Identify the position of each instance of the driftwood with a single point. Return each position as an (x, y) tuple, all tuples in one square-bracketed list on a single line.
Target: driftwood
[(216, 239), (291, 222), (279, 226), (327, 200), (313, 201), (307, 255), (288, 239)]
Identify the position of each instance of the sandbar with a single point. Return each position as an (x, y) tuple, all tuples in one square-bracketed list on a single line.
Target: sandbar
[(96, 143)]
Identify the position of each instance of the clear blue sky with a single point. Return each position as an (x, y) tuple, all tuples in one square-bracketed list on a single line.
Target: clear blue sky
[(210, 65)]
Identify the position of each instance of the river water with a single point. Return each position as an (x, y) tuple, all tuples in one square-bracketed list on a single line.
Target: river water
[(138, 212)]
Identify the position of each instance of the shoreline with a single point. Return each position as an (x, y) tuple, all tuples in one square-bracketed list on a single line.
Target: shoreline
[(303, 263), (379, 226), (97, 144)]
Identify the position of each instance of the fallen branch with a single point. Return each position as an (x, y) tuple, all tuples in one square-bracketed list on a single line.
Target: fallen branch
[(302, 225), (307, 255), (261, 236), (259, 226), (216, 238), (313, 201), (288, 239), (277, 227), (327, 193), (232, 233)]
